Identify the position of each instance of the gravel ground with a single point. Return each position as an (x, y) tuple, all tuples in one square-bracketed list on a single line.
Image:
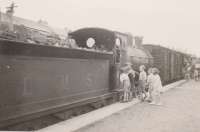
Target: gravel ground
[(179, 113)]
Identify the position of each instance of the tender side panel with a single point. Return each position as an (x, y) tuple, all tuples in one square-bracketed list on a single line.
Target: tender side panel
[(32, 83)]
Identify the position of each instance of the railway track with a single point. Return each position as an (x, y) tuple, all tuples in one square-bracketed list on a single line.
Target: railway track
[(53, 118)]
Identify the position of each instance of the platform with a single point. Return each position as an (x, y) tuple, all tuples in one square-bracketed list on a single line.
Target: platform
[(97, 115), (179, 112)]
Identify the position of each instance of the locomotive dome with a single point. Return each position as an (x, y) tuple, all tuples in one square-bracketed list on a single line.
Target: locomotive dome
[(134, 52)]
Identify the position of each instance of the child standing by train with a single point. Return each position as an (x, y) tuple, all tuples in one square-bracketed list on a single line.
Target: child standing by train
[(142, 82), (131, 75), (156, 87), (125, 84), (150, 79), (196, 74)]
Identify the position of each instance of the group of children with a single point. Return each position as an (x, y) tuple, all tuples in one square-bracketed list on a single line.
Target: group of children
[(146, 87)]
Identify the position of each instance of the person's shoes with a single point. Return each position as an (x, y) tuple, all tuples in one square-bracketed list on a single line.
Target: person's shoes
[(152, 103), (149, 101), (159, 103)]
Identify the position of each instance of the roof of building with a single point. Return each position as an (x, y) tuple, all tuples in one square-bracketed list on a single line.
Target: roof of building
[(33, 24)]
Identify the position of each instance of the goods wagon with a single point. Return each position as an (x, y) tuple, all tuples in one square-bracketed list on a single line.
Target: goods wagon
[(37, 80), (169, 62)]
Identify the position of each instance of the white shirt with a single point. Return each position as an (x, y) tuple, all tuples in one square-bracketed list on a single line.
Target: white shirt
[(143, 76), (124, 79)]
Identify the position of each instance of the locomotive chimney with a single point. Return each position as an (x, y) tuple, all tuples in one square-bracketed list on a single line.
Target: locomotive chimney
[(138, 41)]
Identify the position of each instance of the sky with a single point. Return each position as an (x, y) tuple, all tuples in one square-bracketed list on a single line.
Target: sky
[(171, 23)]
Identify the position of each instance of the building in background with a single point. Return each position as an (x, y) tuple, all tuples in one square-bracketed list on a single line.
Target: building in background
[(13, 27)]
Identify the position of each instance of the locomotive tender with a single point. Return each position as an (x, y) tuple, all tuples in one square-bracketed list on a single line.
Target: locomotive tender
[(39, 80)]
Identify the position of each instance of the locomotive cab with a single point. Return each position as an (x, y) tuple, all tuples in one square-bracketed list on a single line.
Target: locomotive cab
[(120, 44)]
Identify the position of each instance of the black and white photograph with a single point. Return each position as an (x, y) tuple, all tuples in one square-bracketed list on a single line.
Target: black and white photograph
[(100, 65)]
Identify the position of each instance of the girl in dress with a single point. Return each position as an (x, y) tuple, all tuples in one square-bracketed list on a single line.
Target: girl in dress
[(157, 87)]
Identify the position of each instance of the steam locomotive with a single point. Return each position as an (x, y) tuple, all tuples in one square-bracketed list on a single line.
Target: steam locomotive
[(38, 80)]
